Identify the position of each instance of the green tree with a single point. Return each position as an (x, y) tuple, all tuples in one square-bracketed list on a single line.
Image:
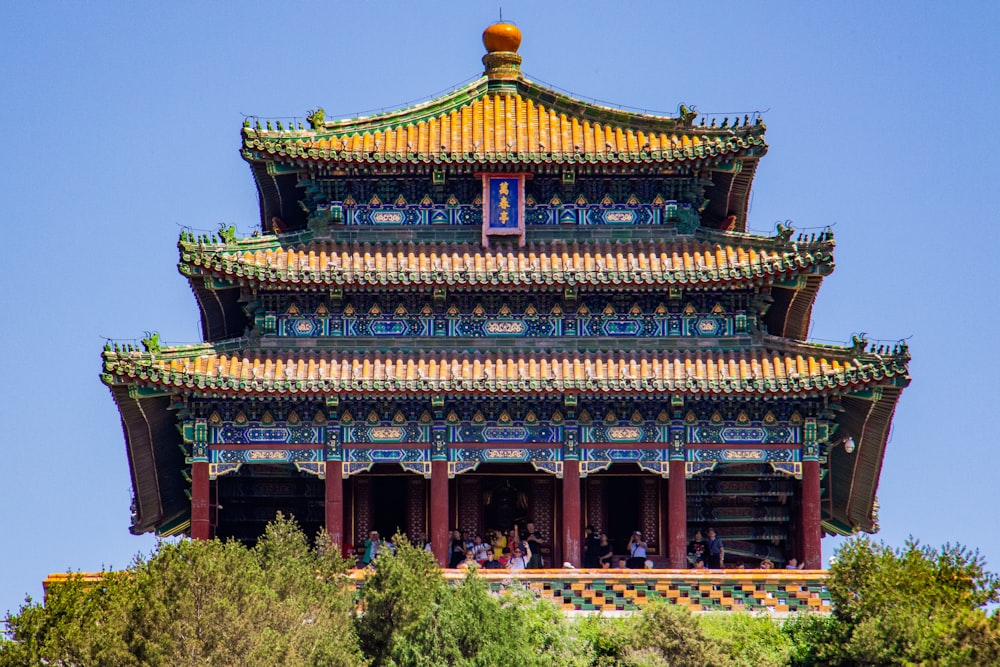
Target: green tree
[(666, 634), (198, 602), (915, 605), (411, 616), (398, 601), (661, 634), (746, 639), (81, 623)]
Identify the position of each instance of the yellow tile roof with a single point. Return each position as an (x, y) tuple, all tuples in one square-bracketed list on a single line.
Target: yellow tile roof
[(686, 262), (534, 125), (754, 372)]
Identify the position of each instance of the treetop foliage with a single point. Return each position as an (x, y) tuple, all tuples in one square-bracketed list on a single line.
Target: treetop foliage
[(914, 605), (198, 602), (286, 602)]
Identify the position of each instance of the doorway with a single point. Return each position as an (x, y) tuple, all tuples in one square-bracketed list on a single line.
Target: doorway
[(389, 505), (621, 497), (247, 500)]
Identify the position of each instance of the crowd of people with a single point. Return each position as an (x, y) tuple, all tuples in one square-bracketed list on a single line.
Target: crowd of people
[(515, 550)]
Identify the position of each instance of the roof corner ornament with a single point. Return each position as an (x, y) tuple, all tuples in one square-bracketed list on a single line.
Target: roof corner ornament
[(858, 343), (316, 118), (785, 233), (151, 343), (686, 116), (227, 235)]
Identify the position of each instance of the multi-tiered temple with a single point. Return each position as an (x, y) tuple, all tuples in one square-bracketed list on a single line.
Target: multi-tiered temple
[(507, 303)]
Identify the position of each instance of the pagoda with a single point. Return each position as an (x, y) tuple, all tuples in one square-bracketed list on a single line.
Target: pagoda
[(508, 304)]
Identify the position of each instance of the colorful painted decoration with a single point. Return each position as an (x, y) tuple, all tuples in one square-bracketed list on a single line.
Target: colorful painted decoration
[(640, 363), (503, 206)]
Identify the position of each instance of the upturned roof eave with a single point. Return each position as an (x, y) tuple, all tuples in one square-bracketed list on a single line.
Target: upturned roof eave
[(696, 142), (868, 420), (302, 238), (210, 371), (763, 260)]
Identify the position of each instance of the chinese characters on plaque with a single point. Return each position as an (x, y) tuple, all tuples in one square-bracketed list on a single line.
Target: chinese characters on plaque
[(503, 206)]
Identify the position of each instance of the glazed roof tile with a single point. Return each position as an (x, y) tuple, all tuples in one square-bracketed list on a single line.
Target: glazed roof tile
[(534, 125), (793, 371), (684, 262)]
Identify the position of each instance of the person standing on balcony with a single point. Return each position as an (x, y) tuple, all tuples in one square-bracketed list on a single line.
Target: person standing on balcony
[(716, 551), (522, 556)]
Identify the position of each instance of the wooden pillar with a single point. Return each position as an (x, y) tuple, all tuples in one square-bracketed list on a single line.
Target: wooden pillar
[(810, 532), (335, 503), (200, 524), (439, 511), (349, 541), (677, 515), (571, 513)]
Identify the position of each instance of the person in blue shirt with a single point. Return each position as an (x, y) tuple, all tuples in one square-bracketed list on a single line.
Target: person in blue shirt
[(373, 547), (716, 551)]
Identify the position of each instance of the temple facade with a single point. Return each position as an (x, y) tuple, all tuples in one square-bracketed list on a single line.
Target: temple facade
[(508, 305)]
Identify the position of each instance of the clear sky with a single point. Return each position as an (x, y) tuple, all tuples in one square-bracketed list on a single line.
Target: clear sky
[(122, 122)]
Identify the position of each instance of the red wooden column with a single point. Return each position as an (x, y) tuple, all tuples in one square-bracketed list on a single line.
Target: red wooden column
[(571, 512), (335, 503), (439, 511), (677, 515), (200, 524), (810, 531)]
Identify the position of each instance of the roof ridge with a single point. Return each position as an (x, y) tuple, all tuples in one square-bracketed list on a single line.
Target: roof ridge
[(438, 104)]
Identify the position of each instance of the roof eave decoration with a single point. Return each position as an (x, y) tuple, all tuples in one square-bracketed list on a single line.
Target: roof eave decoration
[(227, 370), (533, 126), (705, 262)]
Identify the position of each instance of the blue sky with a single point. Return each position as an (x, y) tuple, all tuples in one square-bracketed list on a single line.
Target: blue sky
[(122, 124)]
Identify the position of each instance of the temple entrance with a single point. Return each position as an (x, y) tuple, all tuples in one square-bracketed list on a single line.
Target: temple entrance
[(622, 500), (389, 504), (499, 495), (505, 502), (388, 500), (247, 500), (622, 497)]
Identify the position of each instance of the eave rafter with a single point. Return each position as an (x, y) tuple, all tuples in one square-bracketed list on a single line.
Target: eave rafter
[(711, 262), (805, 371)]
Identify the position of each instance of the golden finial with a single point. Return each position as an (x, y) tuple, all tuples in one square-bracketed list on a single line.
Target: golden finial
[(503, 64), (502, 36)]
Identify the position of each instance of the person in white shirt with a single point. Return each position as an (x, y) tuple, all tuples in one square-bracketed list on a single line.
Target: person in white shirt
[(479, 548), (636, 551), (519, 561)]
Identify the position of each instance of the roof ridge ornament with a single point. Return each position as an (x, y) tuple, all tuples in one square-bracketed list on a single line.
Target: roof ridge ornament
[(317, 118), (502, 62)]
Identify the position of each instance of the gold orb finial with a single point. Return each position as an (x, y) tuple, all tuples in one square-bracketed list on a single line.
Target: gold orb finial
[(501, 36)]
